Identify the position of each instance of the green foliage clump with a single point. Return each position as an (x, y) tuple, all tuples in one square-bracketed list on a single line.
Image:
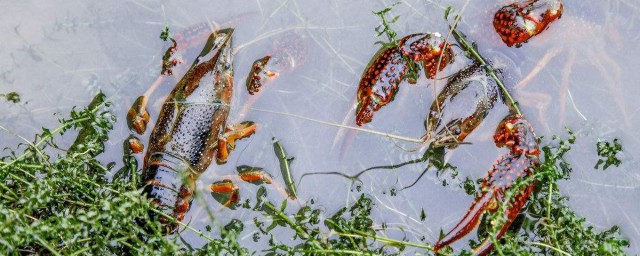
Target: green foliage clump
[(61, 202), (385, 27), (12, 97), (608, 151), (164, 35), (350, 231)]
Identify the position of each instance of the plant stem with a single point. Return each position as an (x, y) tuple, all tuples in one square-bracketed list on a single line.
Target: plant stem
[(292, 224), (512, 104), (386, 240), (44, 138), (550, 247), (391, 136), (549, 201), (333, 252)]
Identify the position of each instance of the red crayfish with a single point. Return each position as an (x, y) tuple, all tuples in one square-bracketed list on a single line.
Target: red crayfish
[(517, 23), (517, 134)]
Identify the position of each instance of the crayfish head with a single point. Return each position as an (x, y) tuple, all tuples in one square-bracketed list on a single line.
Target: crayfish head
[(505, 134)]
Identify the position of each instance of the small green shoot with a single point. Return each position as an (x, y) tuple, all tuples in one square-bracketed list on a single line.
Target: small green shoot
[(164, 35), (285, 168), (608, 151), (12, 97), (385, 28)]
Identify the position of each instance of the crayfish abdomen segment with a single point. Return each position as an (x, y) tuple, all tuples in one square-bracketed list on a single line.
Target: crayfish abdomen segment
[(169, 184)]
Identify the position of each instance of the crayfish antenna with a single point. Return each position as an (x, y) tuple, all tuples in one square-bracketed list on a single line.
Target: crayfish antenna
[(468, 223)]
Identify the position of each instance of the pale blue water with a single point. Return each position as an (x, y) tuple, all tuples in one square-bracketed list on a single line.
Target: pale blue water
[(59, 55)]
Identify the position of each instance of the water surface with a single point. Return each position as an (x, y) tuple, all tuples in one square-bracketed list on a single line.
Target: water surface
[(59, 55)]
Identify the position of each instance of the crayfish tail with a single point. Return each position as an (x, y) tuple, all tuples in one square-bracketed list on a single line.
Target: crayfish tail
[(168, 183)]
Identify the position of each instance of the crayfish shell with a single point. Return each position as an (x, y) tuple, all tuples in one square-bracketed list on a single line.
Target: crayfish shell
[(393, 64), (516, 23), (380, 82), (461, 106), (428, 48)]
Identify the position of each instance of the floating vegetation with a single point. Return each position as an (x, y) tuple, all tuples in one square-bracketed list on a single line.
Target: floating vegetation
[(12, 97), (285, 168), (169, 61), (608, 151), (61, 202), (548, 225), (164, 35)]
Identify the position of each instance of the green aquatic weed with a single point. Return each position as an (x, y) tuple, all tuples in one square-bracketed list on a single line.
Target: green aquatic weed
[(12, 97), (608, 151), (385, 29), (164, 35), (60, 201)]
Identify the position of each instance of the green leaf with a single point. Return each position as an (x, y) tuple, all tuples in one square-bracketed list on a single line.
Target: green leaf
[(283, 206), (447, 11), (164, 35)]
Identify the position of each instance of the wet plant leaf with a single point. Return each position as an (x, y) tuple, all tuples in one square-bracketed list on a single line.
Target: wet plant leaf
[(608, 151), (13, 97), (164, 35)]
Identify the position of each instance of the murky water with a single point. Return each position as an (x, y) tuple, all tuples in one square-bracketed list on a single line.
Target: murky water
[(580, 73)]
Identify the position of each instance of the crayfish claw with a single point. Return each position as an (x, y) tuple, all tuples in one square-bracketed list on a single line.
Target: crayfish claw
[(468, 223)]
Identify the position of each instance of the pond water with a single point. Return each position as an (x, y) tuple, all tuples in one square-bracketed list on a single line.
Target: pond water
[(580, 73)]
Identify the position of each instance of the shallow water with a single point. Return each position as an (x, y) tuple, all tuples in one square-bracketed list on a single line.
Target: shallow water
[(57, 56)]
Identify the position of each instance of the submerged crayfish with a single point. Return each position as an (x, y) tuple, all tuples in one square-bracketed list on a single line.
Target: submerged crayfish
[(391, 65), (518, 22), (516, 133), (191, 130)]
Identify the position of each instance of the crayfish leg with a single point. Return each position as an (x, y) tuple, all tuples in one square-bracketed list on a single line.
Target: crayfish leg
[(138, 116), (469, 222), (227, 142), (225, 189)]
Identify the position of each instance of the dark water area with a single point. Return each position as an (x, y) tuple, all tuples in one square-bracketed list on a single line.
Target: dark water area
[(581, 73)]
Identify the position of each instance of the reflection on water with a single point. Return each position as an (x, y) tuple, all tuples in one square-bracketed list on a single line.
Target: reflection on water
[(579, 73)]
